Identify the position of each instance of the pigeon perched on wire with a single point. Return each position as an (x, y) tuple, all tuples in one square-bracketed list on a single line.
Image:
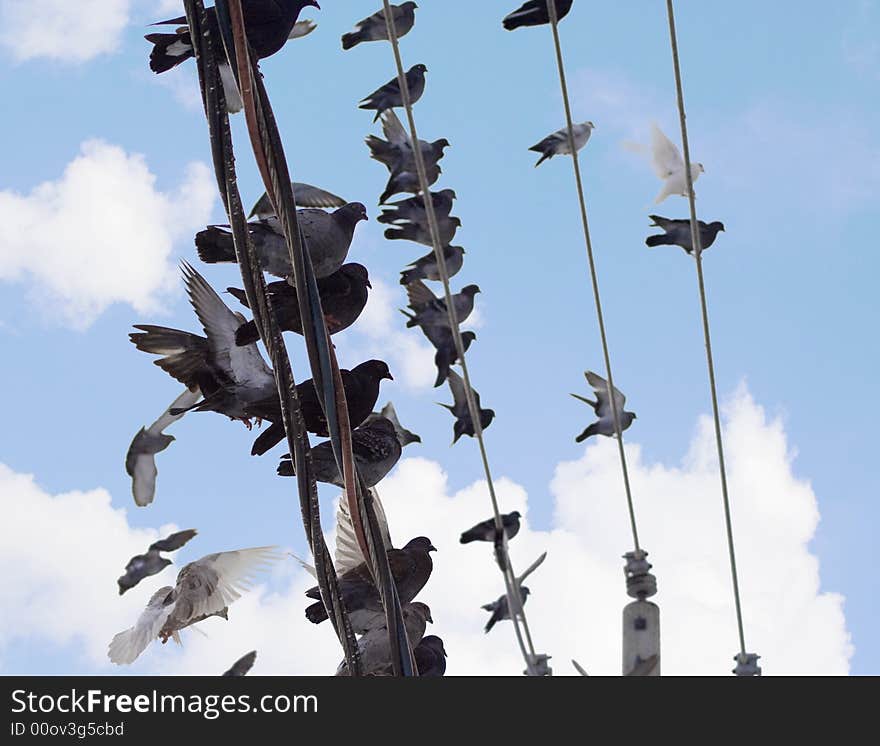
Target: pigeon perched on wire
[(152, 563), (678, 233), (558, 144), (389, 413), (430, 656), (501, 609), (140, 460), (229, 377), (602, 407), (376, 452), (486, 530), (670, 167), (410, 566), (343, 298), (328, 238), (420, 233), (389, 95), (447, 353), (396, 153), (243, 665), (535, 13), (408, 182), (412, 209), (268, 24), (428, 310), (204, 588), (374, 28), (464, 424), (305, 196), (427, 267)]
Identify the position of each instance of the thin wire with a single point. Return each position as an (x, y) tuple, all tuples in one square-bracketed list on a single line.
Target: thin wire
[(554, 24), (514, 598), (698, 251)]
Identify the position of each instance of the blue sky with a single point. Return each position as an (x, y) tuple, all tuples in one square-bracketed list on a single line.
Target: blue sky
[(782, 111)]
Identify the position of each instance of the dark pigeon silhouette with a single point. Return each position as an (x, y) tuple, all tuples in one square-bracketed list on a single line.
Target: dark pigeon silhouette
[(389, 95), (408, 182), (427, 267), (501, 609), (412, 209), (602, 407), (485, 531), (374, 28), (152, 563), (678, 233), (447, 353), (243, 665), (464, 425), (419, 233), (430, 311), (396, 153), (430, 656), (535, 13)]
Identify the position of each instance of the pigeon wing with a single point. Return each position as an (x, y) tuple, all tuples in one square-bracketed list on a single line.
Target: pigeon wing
[(174, 542), (186, 400), (393, 129), (665, 155), (128, 645), (348, 551), (600, 386)]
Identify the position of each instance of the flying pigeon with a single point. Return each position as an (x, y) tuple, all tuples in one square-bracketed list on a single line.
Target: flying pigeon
[(152, 563), (678, 233), (140, 460), (269, 24), (376, 452), (485, 531), (328, 238), (343, 299), (501, 609), (427, 267), (669, 166), (389, 95), (403, 435), (375, 28), (464, 425), (410, 567), (412, 209), (420, 233), (243, 665), (602, 407), (557, 143), (535, 13), (230, 378), (430, 656), (396, 153), (305, 196), (428, 310), (204, 588)]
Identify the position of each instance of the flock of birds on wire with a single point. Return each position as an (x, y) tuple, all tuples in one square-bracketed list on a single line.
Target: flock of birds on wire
[(224, 371)]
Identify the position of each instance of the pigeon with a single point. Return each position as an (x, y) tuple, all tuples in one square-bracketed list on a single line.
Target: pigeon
[(412, 209), (602, 406), (375, 27), (501, 609), (485, 531), (464, 425), (375, 646), (376, 452), (430, 656), (204, 588), (557, 143), (428, 310), (447, 353), (305, 195), (389, 95), (669, 166), (408, 182), (420, 233), (140, 460), (343, 299), (361, 392), (328, 239), (230, 377), (152, 563), (403, 435), (427, 267), (269, 24), (678, 233), (243, 665), (410, 567), (535, 13), (396, 153)]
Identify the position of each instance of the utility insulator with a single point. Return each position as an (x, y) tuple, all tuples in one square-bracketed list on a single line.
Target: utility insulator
[(640, 583), (641, 618), (747, 664), (540, 665)]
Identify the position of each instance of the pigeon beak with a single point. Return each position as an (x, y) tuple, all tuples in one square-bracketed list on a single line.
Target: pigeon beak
[(369, 285), (389, 377), (431, 548)]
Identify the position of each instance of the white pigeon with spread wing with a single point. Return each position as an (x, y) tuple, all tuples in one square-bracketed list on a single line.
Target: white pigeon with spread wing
[(669, 166)]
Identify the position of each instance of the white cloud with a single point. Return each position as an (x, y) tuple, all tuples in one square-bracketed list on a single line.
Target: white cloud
[(577, 596), (102, 233)]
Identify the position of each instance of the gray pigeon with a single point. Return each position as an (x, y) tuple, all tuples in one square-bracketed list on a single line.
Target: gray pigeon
[(485, 531), (389, 95), (374, 28), (230, 378), (152, 563), (204, 588), (501, 609), (678, 233), (557, 143), (602, 407), (408, 182), (412, 209), (427, 267), (396, 153), (305, 195), (535, 13), (243, 665), (428, 310), (403, 435), (376, 452), (140, 461), (447, 353), (464, 424), (328, 238), (430, 656), (420, 233)]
